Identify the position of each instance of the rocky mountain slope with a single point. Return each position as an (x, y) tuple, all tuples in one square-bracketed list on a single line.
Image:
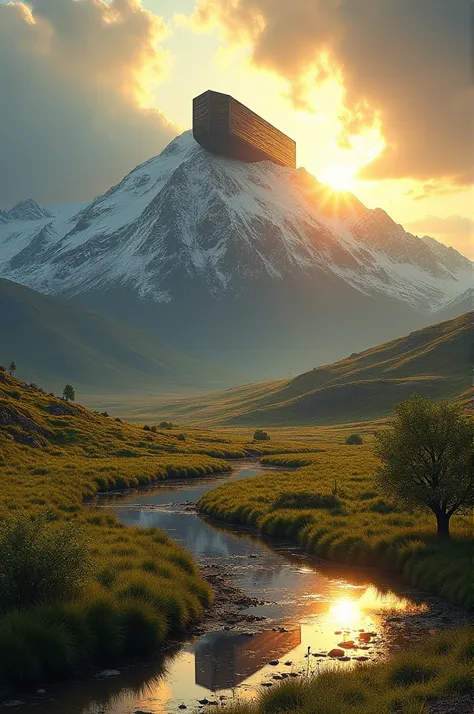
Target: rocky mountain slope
[(256, 262), (434, 362), (54, 341)]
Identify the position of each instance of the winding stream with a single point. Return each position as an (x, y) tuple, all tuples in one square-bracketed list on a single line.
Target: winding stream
[(280, 603)]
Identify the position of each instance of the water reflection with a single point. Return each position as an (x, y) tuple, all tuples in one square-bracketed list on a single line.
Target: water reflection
[(224, 660), (302, 604)]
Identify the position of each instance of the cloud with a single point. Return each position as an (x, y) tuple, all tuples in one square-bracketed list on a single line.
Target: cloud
[(456, 231), (75, 86), (407, 62)]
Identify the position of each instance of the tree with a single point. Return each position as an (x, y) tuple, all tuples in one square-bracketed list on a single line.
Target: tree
[(68, 393), (428, 459), (261, 435), (12, 368), (354, 439)]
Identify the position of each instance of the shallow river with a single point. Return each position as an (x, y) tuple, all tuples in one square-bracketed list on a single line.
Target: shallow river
[(288, 603)]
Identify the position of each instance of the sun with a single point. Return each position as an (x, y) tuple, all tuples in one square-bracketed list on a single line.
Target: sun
[(340, 177)]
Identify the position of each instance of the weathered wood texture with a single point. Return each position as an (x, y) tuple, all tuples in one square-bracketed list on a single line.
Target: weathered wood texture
[(224, 126)]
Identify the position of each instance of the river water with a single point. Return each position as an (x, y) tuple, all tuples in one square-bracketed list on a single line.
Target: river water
[(281, 602)]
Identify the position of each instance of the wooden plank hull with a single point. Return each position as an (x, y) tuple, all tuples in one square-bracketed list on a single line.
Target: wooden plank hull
[(224, 126)]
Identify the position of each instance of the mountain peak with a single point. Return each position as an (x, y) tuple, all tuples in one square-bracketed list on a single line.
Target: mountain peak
[(28, 210), (192, 241)]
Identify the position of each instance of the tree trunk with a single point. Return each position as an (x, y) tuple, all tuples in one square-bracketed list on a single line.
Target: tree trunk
[(442, 520)]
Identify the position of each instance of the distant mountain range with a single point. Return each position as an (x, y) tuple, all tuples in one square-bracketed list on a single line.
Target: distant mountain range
[(256, 266), (54, 341), (435, 362)]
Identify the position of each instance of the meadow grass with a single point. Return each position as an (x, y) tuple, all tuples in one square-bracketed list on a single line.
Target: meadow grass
[(330, 506), (142, 588), (440, 668)]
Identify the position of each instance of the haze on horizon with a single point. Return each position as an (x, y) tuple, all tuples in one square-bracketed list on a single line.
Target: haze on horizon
[(378, 94)]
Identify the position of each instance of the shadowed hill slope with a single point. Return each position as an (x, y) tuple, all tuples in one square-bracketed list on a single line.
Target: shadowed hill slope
[(54, 341), (434, 361)]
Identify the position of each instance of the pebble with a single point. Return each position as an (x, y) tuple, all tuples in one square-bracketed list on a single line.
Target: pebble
[(182, 706), (336, 653), (41, 691), (288, 663), (361, 659), (203, 701), (266, 684), (109, 673), (274, 662)]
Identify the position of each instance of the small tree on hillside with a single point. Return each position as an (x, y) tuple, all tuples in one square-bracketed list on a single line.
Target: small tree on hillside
[(68, 393), (12, 368), (428, 459), (354, 439), (260, 435)]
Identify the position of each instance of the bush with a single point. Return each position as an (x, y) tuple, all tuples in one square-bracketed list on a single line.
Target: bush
[(261, 435), (181, 437), (165, 425), (40, 561), (354, 439), (147, 427)]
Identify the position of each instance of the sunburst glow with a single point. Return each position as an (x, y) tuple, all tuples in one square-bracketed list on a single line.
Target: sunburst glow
[(345, 612), (340, 177)]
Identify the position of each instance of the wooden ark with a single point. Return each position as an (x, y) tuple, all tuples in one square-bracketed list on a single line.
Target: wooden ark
[(224, 126)]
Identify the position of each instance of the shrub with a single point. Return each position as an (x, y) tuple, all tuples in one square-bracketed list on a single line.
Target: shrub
[(40, 561), (147, 427), (165, 425), (260, 435), (181, 437), (354, 439)]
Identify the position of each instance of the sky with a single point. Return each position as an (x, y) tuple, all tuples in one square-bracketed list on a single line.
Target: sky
[(378, 94)]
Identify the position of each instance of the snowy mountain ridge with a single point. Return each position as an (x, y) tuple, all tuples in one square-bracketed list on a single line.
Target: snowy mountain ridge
[(226, 224)]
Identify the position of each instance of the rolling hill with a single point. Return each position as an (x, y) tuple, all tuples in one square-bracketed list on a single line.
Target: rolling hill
[(54, 341), (435, 362)]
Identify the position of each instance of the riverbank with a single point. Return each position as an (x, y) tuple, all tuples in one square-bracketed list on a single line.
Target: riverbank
[(328, 505), (434, 678)]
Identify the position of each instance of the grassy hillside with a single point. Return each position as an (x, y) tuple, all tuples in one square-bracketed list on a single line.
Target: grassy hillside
[(141, 589), (54, 341), (434, 362)]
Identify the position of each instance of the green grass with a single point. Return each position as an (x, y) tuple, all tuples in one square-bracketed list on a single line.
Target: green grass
[(331, 507), (440, 668), (434, 362), (142, 589)]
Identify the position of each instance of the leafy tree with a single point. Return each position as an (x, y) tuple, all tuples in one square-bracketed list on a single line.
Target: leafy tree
[(354, 439), (12, 368), (68, 393), (165, 425), (260, 435), (428, 459)]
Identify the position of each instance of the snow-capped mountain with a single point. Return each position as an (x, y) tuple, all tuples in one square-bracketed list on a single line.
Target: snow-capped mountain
[(27, 210), (188, 233)]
